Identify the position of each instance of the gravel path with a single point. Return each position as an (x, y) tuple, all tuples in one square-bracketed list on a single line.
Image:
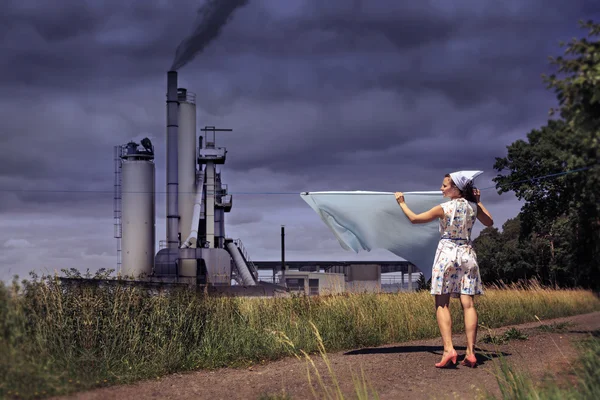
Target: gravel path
[(397, 371)]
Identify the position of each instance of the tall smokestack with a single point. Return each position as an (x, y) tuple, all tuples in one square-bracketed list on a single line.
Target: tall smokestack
[(172, 167)]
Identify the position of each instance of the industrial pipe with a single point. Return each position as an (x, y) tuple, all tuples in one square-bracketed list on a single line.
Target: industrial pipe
[(209, 206), (193, 237), (172, 167), (242, 268)]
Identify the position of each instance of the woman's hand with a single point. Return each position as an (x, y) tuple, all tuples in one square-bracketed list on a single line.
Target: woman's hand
[(477, 194), (399, 197)]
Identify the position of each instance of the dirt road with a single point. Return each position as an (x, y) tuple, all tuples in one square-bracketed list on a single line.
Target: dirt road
[(398, 371)]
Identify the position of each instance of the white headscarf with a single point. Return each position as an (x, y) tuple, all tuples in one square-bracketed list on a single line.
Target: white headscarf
[(462, 178)]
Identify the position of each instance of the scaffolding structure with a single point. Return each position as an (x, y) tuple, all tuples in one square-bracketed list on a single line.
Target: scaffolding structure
[(119, 150)]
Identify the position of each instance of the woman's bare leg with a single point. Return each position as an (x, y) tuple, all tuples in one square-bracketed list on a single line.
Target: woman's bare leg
[(470, 321), (444, 320)]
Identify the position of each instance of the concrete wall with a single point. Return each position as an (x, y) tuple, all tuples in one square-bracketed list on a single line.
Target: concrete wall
[(364, 272), (361, 278), (315, 282), (330, 283)]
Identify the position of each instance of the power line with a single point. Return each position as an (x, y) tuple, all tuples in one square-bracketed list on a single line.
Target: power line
[(265, 193), (547, 176)]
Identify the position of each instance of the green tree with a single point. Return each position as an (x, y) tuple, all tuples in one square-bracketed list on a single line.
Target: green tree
[(422, 284), (515, 258), (488, 247), (563, 210), (503, 257)]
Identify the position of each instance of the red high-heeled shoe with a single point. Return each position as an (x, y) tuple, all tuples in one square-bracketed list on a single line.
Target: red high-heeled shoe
[(446, 360), (470, 361)]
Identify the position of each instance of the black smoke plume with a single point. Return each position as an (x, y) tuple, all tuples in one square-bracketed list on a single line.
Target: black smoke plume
[(212, 16)]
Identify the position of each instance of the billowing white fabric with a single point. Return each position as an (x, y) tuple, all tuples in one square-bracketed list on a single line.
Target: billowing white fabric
[(363, 220)]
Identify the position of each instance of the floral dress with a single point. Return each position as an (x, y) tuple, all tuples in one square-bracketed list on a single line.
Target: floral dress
[(455, 268)]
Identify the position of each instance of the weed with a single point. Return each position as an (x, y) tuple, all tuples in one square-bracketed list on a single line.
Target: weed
[(518, 385), (508, 335), (515, 334), (555, 327)]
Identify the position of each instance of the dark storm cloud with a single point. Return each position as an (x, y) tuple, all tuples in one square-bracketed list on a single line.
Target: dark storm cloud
[(487, 61), (384, 131), (472, 53), (86, 44), (241, 219), (342, 34), (118, 40)]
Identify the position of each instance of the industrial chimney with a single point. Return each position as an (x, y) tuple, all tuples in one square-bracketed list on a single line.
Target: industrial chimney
[(172, 163)]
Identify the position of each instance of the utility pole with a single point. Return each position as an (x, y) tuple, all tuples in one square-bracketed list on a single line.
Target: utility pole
[(283, 268)]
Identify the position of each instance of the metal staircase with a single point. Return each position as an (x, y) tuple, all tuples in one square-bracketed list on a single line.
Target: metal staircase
[(249, 263)]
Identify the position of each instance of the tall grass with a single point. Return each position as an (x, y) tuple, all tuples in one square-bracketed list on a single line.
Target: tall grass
[(582, 382), (363, 389), (57, 338)]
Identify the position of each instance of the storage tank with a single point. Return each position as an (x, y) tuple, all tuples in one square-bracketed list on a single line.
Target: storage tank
[(186, 143), (138, 209)]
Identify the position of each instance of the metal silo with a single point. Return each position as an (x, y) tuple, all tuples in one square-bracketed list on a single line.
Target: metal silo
[(138, 209), (186, 143)]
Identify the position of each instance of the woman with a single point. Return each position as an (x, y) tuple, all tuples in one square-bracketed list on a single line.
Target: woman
[(455, 270)]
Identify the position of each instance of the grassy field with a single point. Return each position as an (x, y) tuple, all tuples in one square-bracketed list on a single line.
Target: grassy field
[(58, 338)]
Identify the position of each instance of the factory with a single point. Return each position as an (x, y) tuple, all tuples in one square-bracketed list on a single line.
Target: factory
[(196, 249)]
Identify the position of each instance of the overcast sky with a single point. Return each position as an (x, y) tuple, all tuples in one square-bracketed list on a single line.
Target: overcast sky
[(321, 95)]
